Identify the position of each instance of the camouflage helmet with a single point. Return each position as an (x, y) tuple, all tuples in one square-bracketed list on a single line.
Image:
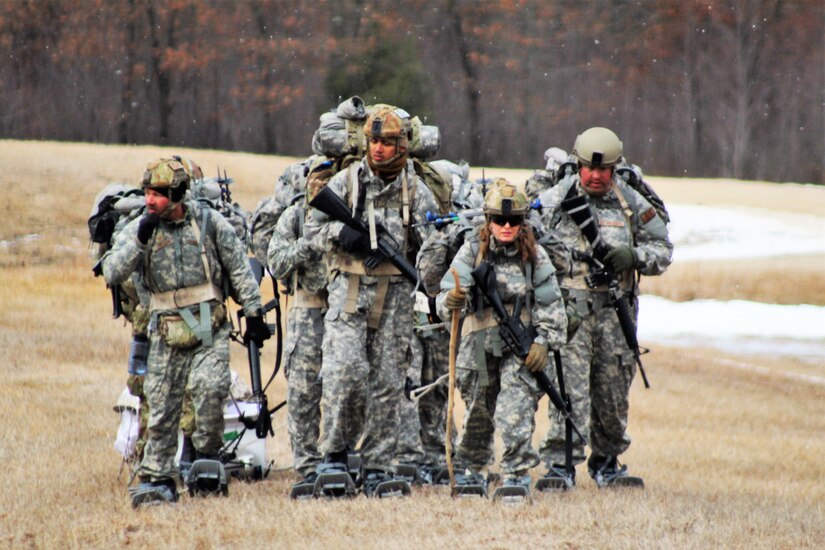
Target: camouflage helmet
[(387, 121), (598, 147), (191, 167), (505, 198), (166, 175)]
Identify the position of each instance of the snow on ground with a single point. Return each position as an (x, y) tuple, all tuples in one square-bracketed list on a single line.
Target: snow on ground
[(712, 233)]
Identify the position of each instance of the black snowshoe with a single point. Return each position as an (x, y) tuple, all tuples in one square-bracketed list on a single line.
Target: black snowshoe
[(516, 490), (556, 479), (207, 477), (608, 473)]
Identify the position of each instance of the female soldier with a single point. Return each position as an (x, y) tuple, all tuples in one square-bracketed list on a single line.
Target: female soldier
[(495, 384)]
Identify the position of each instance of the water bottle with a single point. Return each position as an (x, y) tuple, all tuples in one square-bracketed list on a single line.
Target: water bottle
[(138, 355)]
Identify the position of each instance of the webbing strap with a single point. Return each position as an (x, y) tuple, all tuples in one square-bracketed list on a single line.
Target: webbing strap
[(377, 309), (202, 329), (353, 280)]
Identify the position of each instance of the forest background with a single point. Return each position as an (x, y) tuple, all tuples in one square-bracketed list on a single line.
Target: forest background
[(713, 88)]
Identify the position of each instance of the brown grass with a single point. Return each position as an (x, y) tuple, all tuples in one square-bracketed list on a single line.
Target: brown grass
[(731, 457)]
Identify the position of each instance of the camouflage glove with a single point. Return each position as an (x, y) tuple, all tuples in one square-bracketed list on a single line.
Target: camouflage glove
[(621, 258), (146, 227), (353, 241), (456, 299), (536, 359), (574, 320), (256, 331)]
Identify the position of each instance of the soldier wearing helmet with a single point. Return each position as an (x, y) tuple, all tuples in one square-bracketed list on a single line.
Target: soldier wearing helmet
[(368, 324), (184, 252), (496, 384), (599, 366)]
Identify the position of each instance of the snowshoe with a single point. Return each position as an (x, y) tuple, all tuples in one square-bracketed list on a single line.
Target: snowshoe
[(304, 489), (470, 485), (556, 479), (207, 477), (516, 490), (353, 464), (408, 473), (150, 494), (334, 481), (378, 484), (440, 475), (608, 473)]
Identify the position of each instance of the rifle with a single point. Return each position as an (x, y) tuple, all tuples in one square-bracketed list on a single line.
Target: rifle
[(441, 220), (579, 210), (515, 335), (334, 206)]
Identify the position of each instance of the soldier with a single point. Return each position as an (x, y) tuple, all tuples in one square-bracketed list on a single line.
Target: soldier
[(303, 273), (496, 385), (599, 366), (542, 180), (367, 326), (185, 252)]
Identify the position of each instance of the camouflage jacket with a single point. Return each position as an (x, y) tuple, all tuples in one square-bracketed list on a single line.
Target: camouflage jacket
[(289, 254), (386, 199), (547, 313), (172, 258), (643, 230)]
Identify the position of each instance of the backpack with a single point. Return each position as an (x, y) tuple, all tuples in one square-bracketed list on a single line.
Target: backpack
[(341, 131), (633, 176)]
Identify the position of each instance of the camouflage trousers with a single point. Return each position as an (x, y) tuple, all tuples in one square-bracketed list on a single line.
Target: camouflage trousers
[(187, 420), (204, 373), (302, 366), (499, 393), (598, 370), (423, 423), (363, 371)]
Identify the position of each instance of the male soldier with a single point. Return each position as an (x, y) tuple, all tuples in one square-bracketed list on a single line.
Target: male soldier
[(625, 237), (542, 180), (303, 273), (185, 252), (367, 327)]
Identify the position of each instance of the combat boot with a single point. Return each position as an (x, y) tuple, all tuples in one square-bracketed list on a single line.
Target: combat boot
[(151, 493)]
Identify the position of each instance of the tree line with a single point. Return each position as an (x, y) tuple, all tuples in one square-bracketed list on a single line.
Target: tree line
[(713, 88)]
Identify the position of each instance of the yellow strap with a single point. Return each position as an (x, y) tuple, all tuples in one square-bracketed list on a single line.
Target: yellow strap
[(306, 300), (374, 317), (485, 319), (182, 297), (347, 264), (353, 280)]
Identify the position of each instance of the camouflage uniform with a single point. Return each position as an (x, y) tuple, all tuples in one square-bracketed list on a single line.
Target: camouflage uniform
[(366, 338), (496, 387), (598, 365), (171, 261), (303, 272), (423, 427)]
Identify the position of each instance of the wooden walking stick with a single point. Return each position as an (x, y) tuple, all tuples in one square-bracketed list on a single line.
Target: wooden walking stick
[(448, 438)]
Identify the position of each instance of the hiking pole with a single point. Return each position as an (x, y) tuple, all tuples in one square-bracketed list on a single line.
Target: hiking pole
[(448, 437)]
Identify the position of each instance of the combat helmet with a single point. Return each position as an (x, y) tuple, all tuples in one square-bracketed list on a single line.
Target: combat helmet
[(598, 147), (394, 124), (167, 176), (505, 199), (192, 168)]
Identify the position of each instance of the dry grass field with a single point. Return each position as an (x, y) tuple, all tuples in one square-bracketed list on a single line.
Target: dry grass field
[(732, 457)]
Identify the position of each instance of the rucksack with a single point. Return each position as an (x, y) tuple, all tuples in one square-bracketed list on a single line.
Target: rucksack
[(633, 176), (341, 131)]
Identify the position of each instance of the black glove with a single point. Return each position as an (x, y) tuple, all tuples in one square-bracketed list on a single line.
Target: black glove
[(147, 226), (256, 331), (353, 241), (374, 259), (621, 258)]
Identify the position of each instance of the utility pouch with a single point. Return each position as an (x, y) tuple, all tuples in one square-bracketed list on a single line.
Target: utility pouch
[(177, 333)]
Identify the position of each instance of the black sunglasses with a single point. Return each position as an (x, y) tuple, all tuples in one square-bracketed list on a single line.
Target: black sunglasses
[(502, 220)]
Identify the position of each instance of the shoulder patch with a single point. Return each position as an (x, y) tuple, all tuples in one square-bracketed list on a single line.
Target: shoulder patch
[(648, 215)]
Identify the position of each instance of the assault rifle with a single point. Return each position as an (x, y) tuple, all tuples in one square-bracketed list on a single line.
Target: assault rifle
[(515, 335), (578, 209), (334, 206)]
